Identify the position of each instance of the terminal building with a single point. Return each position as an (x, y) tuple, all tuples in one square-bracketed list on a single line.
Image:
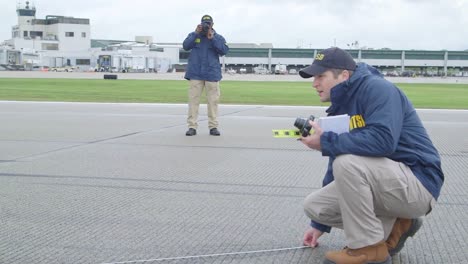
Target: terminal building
[(65, 42)]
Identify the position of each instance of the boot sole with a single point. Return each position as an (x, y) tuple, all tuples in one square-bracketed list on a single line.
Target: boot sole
[(415, 226), (387, 261)]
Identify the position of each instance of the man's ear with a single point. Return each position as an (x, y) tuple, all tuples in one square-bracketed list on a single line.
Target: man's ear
[(346, 74)]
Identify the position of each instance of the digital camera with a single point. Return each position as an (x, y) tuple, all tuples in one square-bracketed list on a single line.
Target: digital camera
[(303, 125), (206, 28)]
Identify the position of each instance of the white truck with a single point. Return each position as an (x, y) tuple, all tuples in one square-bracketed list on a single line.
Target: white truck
[(281, 69)]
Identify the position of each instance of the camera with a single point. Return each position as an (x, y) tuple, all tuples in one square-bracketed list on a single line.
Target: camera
[(303, 125), (206, 28)]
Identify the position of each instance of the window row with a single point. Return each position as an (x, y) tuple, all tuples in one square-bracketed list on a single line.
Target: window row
[(39, 34)]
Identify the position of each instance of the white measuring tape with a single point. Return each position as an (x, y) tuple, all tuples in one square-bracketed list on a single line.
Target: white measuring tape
[(208, 255)]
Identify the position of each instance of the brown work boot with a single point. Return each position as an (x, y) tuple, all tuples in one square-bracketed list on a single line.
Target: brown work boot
[(375, 254), (402, 229)]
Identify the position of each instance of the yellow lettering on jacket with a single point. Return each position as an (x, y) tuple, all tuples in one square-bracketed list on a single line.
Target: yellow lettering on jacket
[(197, 40), (356, 121)]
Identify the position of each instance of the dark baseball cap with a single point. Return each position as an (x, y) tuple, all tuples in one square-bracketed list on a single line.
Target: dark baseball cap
[(332, 58), (207, 18)]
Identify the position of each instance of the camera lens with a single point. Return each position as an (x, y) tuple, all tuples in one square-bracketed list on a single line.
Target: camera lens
[(303, 125), (299, 123), (205, 28)]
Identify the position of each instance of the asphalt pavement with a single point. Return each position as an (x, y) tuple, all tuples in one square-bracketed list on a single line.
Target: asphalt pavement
[(121, 183)]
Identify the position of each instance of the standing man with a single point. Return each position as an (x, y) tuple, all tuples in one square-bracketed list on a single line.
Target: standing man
[(382, 175), (204, 71)]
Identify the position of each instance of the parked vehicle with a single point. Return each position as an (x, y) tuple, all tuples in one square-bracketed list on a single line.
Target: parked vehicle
[(408, 74), (391, 74), (62, 69), (281, 69), (261, 70)]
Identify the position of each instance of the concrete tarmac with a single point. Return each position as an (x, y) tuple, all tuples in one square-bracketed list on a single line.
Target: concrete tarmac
[(121, 183)]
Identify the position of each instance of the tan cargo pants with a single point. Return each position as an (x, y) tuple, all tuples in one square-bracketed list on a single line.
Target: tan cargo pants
[(366, 197), (212, 97)]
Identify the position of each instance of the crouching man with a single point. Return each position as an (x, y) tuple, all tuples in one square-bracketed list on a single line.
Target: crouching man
[(383, 175)]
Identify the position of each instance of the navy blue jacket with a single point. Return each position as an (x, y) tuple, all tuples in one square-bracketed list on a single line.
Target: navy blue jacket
[(203, 63), (383, 123)]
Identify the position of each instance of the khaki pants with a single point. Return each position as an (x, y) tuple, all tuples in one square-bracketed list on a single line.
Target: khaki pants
[(366, 197), (212, 95)]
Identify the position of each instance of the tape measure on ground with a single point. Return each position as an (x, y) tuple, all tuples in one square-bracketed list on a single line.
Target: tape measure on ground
[(286, 133), (208, 255)]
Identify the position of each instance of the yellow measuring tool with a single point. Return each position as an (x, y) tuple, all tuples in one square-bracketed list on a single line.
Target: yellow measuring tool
[(286, 133)]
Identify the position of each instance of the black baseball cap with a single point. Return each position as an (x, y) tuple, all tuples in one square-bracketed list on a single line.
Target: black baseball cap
[(207, 18), (332, 58)]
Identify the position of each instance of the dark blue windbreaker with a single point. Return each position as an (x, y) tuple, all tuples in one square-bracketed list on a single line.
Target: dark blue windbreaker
[(383, 123), (203, 63)]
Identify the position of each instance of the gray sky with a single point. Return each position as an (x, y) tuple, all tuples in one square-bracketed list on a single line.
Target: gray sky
[(395, 24)]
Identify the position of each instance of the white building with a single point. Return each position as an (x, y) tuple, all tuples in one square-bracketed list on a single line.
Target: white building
[(54, 33), (59, 41)]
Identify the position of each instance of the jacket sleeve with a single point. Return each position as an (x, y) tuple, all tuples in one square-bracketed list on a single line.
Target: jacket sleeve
[(189, 41), (383, 113), (220, 45)]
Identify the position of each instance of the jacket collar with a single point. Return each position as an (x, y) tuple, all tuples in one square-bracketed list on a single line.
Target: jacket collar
[(341, 93)]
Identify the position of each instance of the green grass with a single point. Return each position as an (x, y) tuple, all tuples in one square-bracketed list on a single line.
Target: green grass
[(450, 96)]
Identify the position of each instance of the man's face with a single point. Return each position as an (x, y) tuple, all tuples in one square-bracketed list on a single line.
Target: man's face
[(324, 82)]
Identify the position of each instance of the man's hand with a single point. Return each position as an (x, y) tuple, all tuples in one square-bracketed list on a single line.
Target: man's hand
[(210, 34), (311, 236), (199, 29), (313, 141)]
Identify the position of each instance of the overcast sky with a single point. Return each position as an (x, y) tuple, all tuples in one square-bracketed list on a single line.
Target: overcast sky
[(394, 24)]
